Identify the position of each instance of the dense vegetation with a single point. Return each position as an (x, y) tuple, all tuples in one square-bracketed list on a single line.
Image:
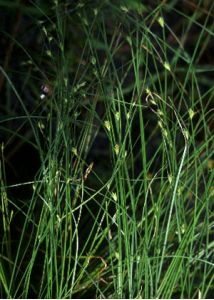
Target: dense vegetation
[(107, 149)]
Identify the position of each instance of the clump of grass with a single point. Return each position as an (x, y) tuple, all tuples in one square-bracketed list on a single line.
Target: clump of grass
[(121, 203)]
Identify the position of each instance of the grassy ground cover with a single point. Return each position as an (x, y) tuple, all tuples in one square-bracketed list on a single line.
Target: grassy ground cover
[(107, 149)]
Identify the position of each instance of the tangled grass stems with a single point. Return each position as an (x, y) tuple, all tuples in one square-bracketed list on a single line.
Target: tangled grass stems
[(121, 202)]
